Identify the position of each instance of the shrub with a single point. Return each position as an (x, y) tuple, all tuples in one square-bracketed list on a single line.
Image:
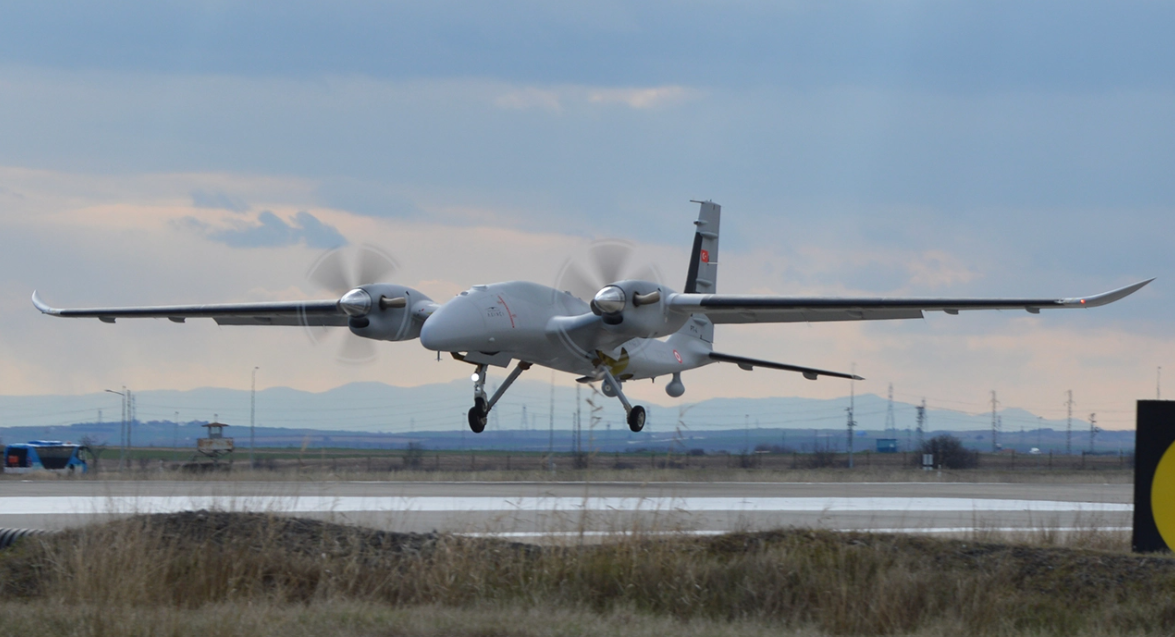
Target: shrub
[(949, 452)]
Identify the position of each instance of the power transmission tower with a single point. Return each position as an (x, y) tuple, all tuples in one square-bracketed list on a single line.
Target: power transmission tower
[(494, 424), (132, 409), (1092, 431), (921, 423), (891, 428), (524, 421), (851, 425), (551, 425), (252, 414), (1069, 425), (995, 423)]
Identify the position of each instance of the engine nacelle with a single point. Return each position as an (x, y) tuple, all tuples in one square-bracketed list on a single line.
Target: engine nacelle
[(392, 315), (637, 309)]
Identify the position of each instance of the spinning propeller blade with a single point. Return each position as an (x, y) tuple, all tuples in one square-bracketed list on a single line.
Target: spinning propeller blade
[(343, 269), (339, 271), (604, 262)]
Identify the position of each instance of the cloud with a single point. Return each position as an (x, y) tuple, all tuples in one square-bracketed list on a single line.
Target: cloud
[(556, 99), (271, 231), (640, 98), (218, 200)]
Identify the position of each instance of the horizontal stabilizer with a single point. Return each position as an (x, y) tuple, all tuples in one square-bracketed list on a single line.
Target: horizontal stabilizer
[(750, 363)]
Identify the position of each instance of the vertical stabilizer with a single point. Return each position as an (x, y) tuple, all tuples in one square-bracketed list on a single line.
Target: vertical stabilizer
[(703, 260)]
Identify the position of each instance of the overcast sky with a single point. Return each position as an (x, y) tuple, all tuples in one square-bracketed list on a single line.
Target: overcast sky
[(159, 152)]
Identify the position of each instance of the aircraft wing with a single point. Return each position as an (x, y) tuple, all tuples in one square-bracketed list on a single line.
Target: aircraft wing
[(739, 308), (281, 313)]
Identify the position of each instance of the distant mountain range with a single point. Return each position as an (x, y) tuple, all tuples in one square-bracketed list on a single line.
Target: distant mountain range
[(376, 408)]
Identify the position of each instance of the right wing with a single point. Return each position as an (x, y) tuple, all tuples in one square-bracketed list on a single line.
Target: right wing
[(745, 308), (280, 313)]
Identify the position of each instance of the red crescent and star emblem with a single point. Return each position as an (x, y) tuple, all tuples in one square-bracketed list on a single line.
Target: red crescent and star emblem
[(705, 256), (677, 356)]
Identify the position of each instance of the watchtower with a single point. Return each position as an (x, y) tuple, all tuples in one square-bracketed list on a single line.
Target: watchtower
[(215, 445)]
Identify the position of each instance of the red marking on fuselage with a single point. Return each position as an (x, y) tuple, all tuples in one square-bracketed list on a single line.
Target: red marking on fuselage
[(677, 356), (705, 256), (508, 312)]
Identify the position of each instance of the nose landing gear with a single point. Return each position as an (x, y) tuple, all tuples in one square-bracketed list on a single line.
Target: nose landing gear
[(480, 411)]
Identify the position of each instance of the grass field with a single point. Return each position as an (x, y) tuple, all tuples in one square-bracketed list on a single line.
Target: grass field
[(236, 573)]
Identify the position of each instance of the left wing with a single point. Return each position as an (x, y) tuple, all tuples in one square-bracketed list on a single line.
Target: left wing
[(741, 308), (280, 313)]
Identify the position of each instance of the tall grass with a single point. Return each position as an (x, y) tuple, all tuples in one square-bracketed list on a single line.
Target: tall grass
[(801, 580)]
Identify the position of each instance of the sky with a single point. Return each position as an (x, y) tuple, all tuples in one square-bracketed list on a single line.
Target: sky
[(166, 152)]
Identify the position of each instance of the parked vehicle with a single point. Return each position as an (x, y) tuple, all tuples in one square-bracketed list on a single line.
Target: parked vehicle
[(46, 455)]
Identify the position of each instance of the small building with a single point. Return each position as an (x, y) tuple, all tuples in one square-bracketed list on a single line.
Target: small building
[(887, 445), (215, 445)]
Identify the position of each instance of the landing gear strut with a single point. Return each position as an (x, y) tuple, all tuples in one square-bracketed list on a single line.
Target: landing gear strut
[(636, 414), (480, 411)]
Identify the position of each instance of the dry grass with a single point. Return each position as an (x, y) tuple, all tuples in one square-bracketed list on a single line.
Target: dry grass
[(359, 619), (243, 573)]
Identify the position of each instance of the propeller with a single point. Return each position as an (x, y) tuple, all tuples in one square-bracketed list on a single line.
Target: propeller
[(603, 262), (339, 271), (591, 271)]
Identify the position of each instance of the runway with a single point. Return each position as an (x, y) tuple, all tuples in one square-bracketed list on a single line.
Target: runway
[(532, 509)]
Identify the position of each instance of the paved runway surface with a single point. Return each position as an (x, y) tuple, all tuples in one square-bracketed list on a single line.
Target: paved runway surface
[(525, 509)]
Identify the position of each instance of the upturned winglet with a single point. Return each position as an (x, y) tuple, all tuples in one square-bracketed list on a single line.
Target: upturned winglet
[(1106, 298), (42, 306)]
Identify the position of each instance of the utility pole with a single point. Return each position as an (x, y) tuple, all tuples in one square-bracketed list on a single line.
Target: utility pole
[(891, 428), (252, 415), (1092, 431), (746, 434), (995, 424), (1159, 383), (1069, 425), (121, 426), (578, 425), (852, 423), (551, 425), (921, 423)]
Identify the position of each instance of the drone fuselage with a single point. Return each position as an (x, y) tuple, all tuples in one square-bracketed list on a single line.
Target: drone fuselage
[(495, 323)]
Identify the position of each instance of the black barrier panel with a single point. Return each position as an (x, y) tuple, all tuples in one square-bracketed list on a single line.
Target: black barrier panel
[(1154, 477)]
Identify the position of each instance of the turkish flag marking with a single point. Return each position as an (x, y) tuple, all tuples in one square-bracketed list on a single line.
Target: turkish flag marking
[(705, 256)]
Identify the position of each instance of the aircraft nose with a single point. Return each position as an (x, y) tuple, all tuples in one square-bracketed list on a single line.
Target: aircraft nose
[(455, 326)]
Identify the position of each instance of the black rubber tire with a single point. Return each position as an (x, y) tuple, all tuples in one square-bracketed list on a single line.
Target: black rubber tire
[(636, 418), (477, 416)]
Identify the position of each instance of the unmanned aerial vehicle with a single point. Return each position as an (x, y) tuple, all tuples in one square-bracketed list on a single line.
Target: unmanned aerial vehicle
[(630, 329)]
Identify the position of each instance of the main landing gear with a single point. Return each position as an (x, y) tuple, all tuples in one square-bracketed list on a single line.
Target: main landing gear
[(481, 407), (636, 414)]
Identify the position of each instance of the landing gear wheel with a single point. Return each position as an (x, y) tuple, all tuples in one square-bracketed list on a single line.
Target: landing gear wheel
[(636, 418), (477, 415)]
